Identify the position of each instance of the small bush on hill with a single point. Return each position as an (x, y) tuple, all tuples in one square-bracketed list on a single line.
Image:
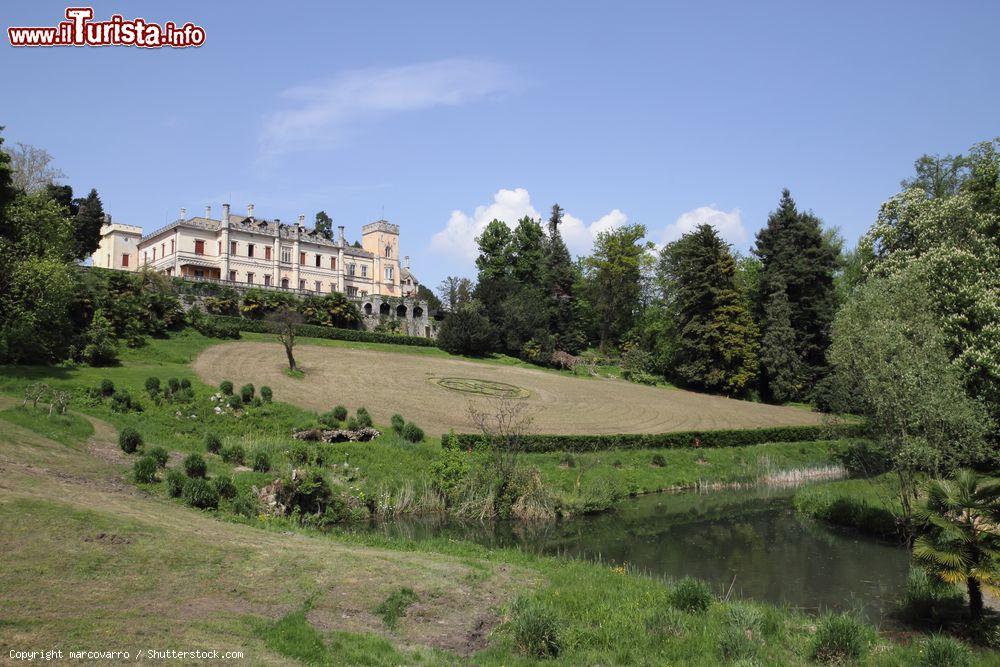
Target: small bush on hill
[(152, 386), (394, 607), (246, 504), (536, 629), (233, 454), (199, 492), (175, 480), (160, 455), (364, 419), (329, 419), (397, 423), (185, 383), (144, 470), (226, 387), (122, 402), (224, 485), (448, 473), (300, 454), (129, 440), (107, 387), (412, 432), (840, 638), (340, 413), (173, 385), (352, 424), (261, 461), (659, 461), (213, 443), (691, 595), (266, 394), (194, 465), (246, 392), (943, 651)]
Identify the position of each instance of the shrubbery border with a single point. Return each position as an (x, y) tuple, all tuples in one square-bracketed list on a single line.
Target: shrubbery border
[(681, 439), (319, 331)]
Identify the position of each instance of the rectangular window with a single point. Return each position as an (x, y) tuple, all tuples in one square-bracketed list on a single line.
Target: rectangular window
[(333, 287), (333, 263), (163, 250), (319, 286), (364, 270), (232, 247), (125, 259), (145, 257), (249, 250), (220, 247), (172, 247), (352, 269), (302, 284), (388, 274), (250, 279), (199, 247), (198, 273), (286, 255), (302, 258), (352, 291), (232, 276), (267, 280), (267, 252), (319, 260)]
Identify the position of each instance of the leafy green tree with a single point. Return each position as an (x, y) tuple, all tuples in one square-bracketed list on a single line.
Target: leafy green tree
[(615, 273), (794, 249), (717, 340), (466, 330), (780, 367), (527, 247), (523, 318), (938, 176), (324, 224), (87, 225), (433, 302), (454, 291), (560, 279), (959, 538), (7, 189), (495, 253)]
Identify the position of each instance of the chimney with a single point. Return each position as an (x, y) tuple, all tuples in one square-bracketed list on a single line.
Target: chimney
[(225, 215), (406, 262), (340, 236), (302, 220), (249, 210), (208, 211), (184, 213)]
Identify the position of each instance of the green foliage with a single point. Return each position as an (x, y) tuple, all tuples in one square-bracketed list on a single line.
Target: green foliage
[(225, 486), (397, 422), (866, 505), (246, 393), (129, 440), (261, 461), (841, 638), (234, 402), (943, 651), (194, 465), (152, 385), (100, 347), (329, 419), (234, 454), (929, 598), (691, 595), (340, 413), (300, 454), (537, 629), (160, 455), (364, 419), (144, 470), (226, 387), (741, 636), (782, 369), (352, 424), (394, 607), (87, 225), (175, 481), (466, 331), (666, 621), (659, 461), (107, 387), (213, 443), (448, 472), (266, 394), (412, 433), (614, 280), (330, 333), (122, 402), (199, 492)]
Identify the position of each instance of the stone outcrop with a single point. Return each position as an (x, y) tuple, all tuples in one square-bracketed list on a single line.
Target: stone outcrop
[(337, 434)]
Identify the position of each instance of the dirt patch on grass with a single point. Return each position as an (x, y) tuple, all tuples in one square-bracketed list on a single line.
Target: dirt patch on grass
[(389, 383)]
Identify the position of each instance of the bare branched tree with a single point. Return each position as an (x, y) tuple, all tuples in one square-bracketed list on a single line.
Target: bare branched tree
[(287, 320), (32, 168), (503, 423)]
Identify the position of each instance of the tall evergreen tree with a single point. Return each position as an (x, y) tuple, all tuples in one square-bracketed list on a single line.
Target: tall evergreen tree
[(7, 189), (716, 343), (780, 366), (794, 250), (87, 225), (324, 224), (560, 278), (493, 282)]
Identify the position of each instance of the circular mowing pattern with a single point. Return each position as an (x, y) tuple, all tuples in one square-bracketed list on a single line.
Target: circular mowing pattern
[(482, 387)]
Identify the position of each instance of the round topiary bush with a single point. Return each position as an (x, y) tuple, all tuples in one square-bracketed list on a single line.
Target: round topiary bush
[(144, 470), (233, 454), (329, 420), (691, 595), (175, 480), (107, 387), (397, 423), (200, 493), (173, 384), (659, 461), (224, 485), (213, 443), (194, 465), (129, 440), (235, 402), (153, 385), (160, 455), (412, 432), (246, 392), (364, 419), (266, 394), (226, 387), (352, 424), (340, 413), (261, 461), (185, 384)]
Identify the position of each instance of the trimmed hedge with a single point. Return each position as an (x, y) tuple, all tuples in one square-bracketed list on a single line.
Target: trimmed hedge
[(681, 439), (317, 331)]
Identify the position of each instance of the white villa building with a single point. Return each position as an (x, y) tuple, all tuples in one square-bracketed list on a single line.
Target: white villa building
[(251, 251)]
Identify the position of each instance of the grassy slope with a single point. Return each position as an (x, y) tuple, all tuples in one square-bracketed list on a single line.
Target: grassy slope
[(88, 561)]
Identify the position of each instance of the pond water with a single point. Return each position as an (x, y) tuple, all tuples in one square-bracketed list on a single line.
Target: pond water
[(749, 541)]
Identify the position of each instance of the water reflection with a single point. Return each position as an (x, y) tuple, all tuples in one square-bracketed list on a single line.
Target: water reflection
[(750, 541)]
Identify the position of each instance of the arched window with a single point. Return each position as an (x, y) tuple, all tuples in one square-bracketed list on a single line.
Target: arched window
[(368, 309), (284, 283), (384, 309), (400, 310), (388, 251), (418, 311)]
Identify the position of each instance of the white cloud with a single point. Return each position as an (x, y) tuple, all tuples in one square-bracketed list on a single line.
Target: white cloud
[(319, 113), (729, 225), (458, 238)]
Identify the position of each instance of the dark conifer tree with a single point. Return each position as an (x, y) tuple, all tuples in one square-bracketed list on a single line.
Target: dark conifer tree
[(560, 278), (324, 224), (87, 225), (781, 369)]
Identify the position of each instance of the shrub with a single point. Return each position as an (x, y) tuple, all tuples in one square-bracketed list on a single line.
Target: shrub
[(185, 383), (235, 402), (226, 387), (659, 461), (466, 331), (448, 473), (224, 485), (144, 470), (152, 386), (742, 628), (199, 492), (194, 465), (129, 440), (943, 651), (160, 455), (364, 419), (300, 454), (352, 424), (122, 402), (107, 387), (246, 504), (246, 392), (261, 461), (691, 595), (397, 423), (340, 413), (213, 443), (412, 432), (536, 630), (840, 638), (233, 454), (329, 419), (927, 597), (266, 394), (175, 480), (173, 385), (319, 331)]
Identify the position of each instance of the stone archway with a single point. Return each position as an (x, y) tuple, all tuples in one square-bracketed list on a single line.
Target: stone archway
[(418, 312), (368, 309), (401, 311), (384, 309)]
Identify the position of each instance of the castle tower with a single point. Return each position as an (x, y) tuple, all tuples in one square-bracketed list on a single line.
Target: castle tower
[(381, 238)]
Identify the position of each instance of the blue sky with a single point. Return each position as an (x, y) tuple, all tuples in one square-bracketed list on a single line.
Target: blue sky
[(445, 114)]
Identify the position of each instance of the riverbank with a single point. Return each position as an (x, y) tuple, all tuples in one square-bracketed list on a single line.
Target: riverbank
[(90, 557)]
